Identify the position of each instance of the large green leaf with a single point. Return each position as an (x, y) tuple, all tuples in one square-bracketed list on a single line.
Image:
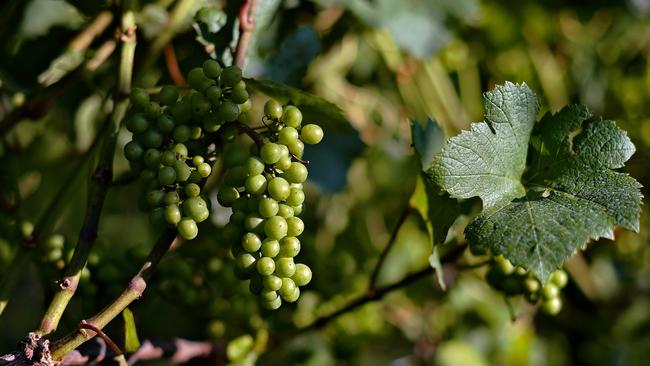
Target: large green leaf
[(314, 109), (568, 195)]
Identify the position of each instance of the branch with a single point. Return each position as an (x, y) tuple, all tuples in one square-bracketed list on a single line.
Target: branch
[(100, 184), (377, 294), (134, 290), (172, 65), (389, 246), (247, 25)]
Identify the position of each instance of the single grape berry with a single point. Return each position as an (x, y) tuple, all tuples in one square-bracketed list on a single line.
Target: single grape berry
[(139, 98), (273, 109), (187, 228), (137, 123), (211, 68), (230, 76), (279, 189), (311, 134), (292, 116), (302, 276), (168, 95)]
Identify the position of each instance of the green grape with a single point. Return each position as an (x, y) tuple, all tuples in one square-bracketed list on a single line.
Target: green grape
[(284, 163), (245, 262), (234, 154), (211, 122), (230, 76), (152, 110), (311, 134), (213, 93), (285, 267), (55, 241), (285, 211), (550, 291), (197, 79), (229, 133), (133, 150), (173, 214), (292, 117), (182, 170), (204, 170), (256, 184), (171, 198), (247, 106), (195, 177), (504, 265), (239, 95), (270, 248), (272, 283), (228, 111), (273, 109), (266, 295), (288, 136), (531, 285), (181, 151), (293, 297), (251, 242), (297, 173), (167, 175), (157, 216), (268, 207), (187, 228), (192, 190), (265, 266), (155, 198), (211, 68), (227, 196), (168, 158), (254, 223), (276, 227), (288, 288), (196, 208), (289, 246), (254, 166), (559, 278), (295, 226), (279, 189), (137, 123), (297, 148), (271, 153), (151, 158), (296, 197), (197, 160), (552, 306), (181, 133), (168, 95), (181, 111), (272, 305), (152, 138), (139, 98), (297, 210), (200, 104), (302, 276), (236, 177), (165, 123)]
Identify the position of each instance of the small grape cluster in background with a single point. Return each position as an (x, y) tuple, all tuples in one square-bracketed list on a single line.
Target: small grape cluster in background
[(171, 138), (512, 281), (264, 188)]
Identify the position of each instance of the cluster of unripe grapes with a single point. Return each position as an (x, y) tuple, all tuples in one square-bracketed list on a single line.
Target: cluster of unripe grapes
[(171, 138), (263, 186), (513, 281)]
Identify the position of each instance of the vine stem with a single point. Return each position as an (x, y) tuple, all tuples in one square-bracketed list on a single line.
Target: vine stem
[(384, 254), (247, 25), (172, 65), (133, 291), (375, 294), (100, 183)]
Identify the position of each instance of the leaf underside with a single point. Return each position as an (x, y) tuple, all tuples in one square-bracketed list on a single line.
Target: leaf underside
[(538, 214)]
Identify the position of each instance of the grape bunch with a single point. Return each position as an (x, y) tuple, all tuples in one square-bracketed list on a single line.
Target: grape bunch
[(264, 187), (513, 281), (171, 140)]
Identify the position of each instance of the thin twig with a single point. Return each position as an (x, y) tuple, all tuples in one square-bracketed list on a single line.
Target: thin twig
[(100, 183), (107, 339), (172, 65), (247, 25), (134, 291), (384, 254)]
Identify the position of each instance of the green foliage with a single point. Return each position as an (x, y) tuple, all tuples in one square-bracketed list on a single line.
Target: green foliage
[(131, 341), (568, 195), (313, 108)]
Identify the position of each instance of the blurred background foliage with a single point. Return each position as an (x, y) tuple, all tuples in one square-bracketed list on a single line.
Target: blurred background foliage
[(383, 62)]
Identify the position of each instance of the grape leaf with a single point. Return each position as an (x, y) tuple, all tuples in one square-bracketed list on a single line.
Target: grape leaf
[(437, 210), (537, 216), (314, 109)]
